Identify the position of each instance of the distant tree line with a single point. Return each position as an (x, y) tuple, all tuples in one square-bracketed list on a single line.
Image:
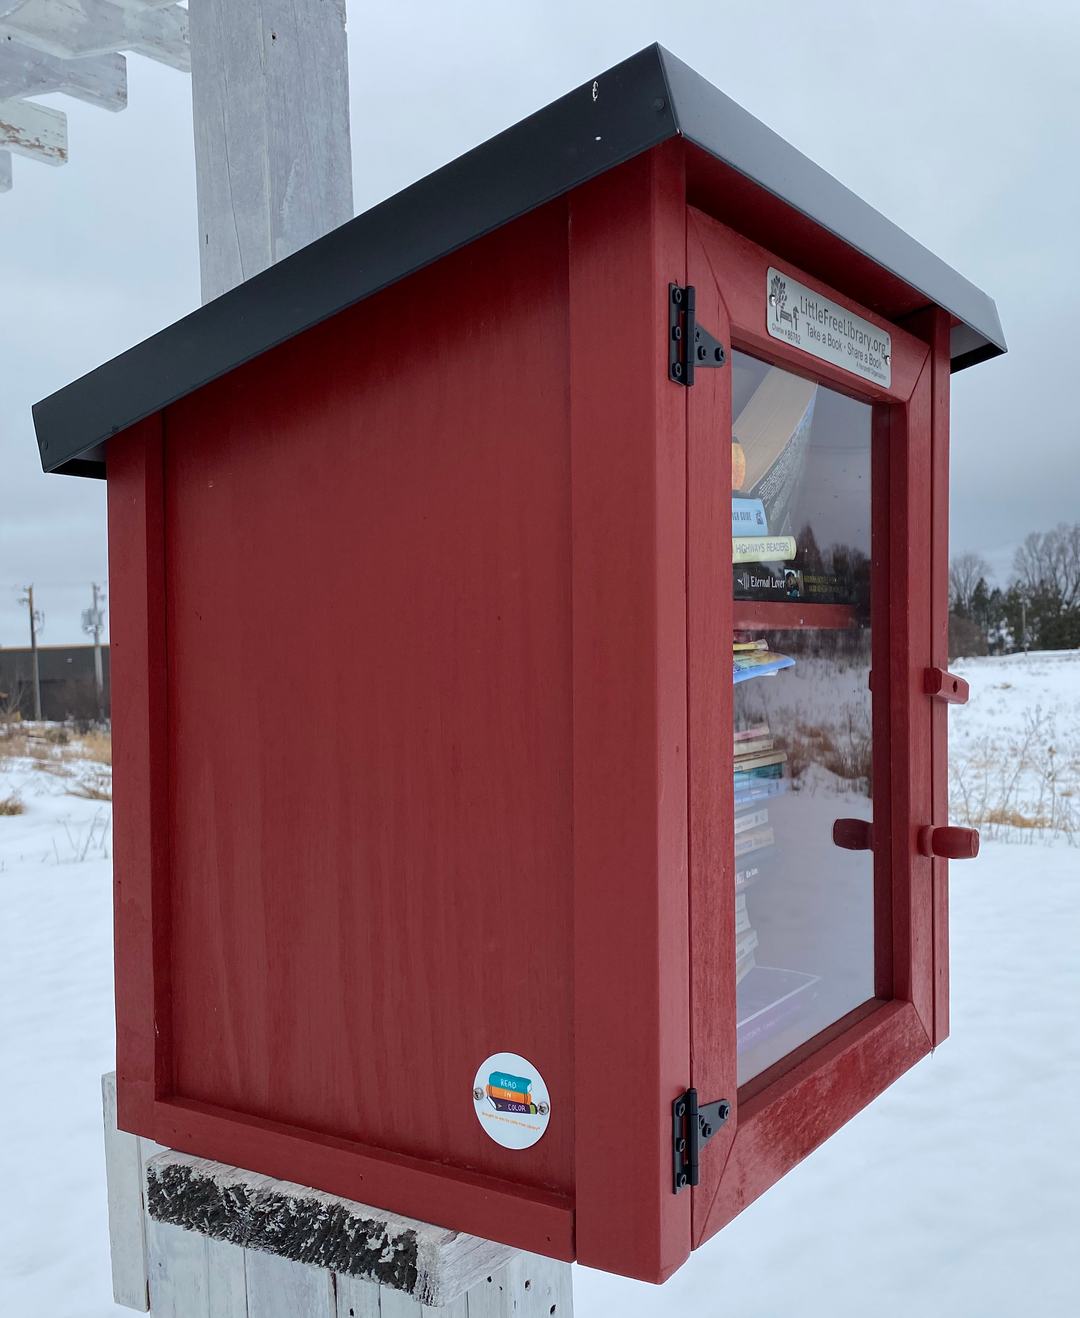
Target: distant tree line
[(1038, 610)]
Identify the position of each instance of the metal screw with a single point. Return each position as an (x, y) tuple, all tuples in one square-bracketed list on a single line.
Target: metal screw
[(659, 103), (680, 1145), (725, 1111), (676, 331), (595, 90), (677, 369), (676, 295)]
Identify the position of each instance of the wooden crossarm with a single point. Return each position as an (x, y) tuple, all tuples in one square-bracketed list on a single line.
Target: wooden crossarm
[(70, 28), (100, 80), (36, 131)]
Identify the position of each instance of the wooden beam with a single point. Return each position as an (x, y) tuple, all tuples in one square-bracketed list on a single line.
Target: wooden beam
[(100, 80), (36, 131), (270, 78), (70, 28)]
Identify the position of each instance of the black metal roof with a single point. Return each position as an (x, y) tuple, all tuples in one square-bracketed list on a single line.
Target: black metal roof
[(644, 101)]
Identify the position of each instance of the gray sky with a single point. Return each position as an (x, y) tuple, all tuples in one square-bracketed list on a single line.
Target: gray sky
[(959, 120)]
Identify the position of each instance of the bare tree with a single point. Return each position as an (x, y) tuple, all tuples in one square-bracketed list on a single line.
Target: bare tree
[(1047, 565), (965, 572)]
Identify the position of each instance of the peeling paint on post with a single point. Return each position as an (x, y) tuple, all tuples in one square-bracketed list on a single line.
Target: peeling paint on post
[(29, 129)]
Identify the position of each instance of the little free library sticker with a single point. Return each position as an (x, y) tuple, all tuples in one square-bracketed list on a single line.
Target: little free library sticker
[(829, 331)]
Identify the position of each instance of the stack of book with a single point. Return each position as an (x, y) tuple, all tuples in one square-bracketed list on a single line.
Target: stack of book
[(752, 658), (746, 939)]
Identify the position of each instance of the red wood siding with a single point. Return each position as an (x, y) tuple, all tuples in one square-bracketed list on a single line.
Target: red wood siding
[(632, 1047), (371, 835)]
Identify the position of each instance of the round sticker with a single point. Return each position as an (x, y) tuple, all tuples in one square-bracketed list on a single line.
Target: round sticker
[(511, 1101)]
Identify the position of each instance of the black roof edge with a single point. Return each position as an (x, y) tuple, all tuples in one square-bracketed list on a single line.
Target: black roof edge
[(717, 124), (645, 100)]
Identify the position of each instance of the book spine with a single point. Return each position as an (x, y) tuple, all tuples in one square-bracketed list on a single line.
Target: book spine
[(761, 790), (510, 1095), (745, 777), (757, 747), (763, 548), (748, 517), (501, 1105), (751, 820), (749, 842), (745, 943), (744, 763), (754, 733)]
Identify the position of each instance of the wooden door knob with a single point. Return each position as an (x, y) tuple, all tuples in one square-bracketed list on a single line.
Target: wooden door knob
[(950, 843), (853, 834)]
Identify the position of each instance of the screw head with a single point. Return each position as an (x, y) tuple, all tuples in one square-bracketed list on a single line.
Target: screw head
[(659, 103)]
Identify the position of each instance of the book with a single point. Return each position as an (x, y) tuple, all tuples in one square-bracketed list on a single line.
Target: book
[(770, 999), (743, 966), (745, 943), (755, 840), (763, 548), (773, 430), (760, 760), (754, 747), (759, 729), (748, 517), (751, 776), (751, 819), (764, 580), (740, 902), (760, 789), (759, 663), (749, 645), (759, 581), (742, 919), (749, 871)]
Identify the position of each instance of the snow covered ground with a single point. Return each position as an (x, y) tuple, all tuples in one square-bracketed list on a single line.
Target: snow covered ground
[(957, 1194)]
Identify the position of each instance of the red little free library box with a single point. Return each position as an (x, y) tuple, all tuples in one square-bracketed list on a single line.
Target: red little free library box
[(456, 872)]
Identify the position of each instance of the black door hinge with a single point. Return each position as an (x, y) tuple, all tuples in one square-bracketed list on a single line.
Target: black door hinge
[(692, 1127), (689, 346)]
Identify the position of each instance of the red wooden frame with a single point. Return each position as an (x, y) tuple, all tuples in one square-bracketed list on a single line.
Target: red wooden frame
[(652, 853), (785, 1113)]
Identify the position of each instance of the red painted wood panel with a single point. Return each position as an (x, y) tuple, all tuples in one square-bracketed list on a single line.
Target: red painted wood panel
[(771, 616), (369, 618), (783, 1115), (933, 326), (909, 713), (711, 764), (483, 1206), (740, 268), (784, 1123), (631, 1034), (140, 848)]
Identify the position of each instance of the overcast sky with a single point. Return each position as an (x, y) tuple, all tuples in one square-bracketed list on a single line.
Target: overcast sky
[(959, 120)]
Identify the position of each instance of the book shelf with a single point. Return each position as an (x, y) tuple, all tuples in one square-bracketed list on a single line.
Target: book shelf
[(771, 615)]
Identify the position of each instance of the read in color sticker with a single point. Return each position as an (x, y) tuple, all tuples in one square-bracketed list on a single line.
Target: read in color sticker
[(511, 1101)]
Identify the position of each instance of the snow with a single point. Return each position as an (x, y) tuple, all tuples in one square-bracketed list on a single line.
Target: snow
[(956, 1194)]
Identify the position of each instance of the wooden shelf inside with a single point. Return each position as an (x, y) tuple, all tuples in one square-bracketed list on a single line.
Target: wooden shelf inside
[(774, 616)]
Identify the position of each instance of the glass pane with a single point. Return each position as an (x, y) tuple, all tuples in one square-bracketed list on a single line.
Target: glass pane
[(800, 511)]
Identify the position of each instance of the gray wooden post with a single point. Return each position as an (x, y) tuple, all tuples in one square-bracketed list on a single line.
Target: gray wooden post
[(273, 157)]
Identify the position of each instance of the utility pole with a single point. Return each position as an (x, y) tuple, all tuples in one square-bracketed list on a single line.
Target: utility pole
[(35, 622), (1023, 625), (93, 620)]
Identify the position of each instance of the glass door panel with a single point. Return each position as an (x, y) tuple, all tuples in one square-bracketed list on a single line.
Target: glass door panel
[(804, 921)]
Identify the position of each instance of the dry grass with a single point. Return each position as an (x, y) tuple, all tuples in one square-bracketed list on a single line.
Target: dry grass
[(11, 805), (56, 745), (844, 748), (1028, 781), (93, 785), (96, 746)]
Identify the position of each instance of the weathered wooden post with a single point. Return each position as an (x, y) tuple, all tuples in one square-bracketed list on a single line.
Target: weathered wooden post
[(273, 160)]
